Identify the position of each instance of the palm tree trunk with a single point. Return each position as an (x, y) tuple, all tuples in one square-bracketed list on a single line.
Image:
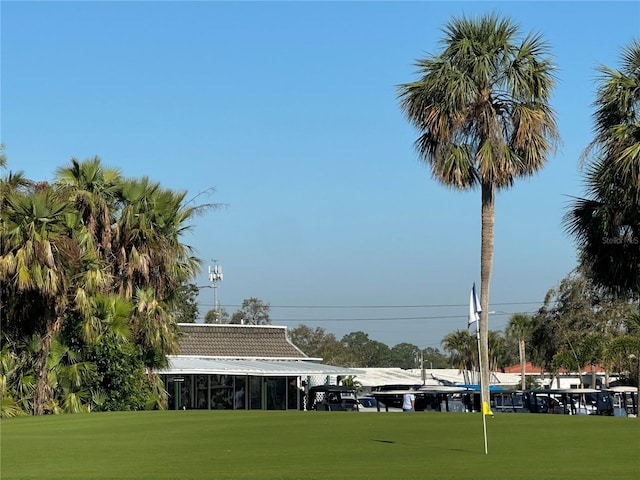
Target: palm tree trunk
[(523, 364), (486, 265), (43, 393)]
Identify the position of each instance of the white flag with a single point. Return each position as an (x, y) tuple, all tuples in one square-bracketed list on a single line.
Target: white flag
[(474, 307)]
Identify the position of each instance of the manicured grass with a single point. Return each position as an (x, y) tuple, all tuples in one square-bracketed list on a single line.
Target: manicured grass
[(317, 445)]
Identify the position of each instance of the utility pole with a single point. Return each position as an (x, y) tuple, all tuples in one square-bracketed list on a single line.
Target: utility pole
[(215, 276), (419, 357)]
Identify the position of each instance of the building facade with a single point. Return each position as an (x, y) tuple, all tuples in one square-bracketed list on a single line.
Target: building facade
[(242, 367)]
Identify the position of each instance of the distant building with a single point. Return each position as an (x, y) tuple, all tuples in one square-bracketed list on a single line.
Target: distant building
[(240, 367), (595, 377)]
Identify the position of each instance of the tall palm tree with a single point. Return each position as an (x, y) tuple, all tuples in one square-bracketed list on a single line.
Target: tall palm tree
[(151, 261), (519, 328), (49, 269), (36, 250), (482, 109), (606, 224)]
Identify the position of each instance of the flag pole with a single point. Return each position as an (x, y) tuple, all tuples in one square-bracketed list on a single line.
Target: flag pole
[(474, 310)]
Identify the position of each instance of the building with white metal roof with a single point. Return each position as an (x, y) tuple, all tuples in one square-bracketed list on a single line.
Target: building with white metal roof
[(242, 367)]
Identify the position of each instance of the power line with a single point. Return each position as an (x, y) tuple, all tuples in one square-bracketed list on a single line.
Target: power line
[(381, 306), (378, 319), (348, 321), (277, 320), (382, 319)]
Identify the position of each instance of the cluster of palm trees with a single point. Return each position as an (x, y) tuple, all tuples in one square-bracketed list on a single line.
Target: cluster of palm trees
[(91, 266), (482, 110)]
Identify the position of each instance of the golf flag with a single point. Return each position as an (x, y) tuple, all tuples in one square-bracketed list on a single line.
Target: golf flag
[(486, 409), (474, 307)]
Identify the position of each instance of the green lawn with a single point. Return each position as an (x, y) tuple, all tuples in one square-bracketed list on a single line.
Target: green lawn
[(317, 445)]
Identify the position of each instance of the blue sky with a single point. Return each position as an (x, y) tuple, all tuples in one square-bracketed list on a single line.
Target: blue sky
[(289, 110)]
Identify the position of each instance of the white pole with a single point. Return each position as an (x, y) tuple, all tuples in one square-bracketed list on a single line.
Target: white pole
[(474, 309)]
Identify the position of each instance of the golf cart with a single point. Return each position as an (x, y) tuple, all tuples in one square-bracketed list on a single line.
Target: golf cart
[(332, 398)]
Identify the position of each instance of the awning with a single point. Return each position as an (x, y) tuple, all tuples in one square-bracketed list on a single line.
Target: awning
[(257, 368)]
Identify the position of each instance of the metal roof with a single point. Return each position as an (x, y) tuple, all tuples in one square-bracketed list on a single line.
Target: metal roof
[(374, 377), (184, 365)]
